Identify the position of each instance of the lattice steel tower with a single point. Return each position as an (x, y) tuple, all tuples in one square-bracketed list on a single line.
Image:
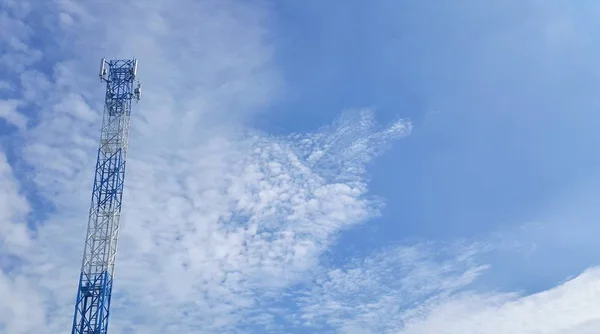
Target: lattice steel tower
[(92, 307)]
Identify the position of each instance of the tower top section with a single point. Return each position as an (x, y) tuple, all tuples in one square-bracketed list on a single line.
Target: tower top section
[(121, 70)]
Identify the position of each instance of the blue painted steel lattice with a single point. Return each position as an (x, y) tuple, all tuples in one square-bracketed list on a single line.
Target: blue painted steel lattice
[(92, 307)]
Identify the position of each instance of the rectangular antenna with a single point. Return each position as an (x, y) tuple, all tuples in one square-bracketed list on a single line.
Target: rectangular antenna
[(102, 68), (135, 63)]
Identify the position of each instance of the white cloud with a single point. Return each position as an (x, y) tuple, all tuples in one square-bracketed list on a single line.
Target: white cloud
[(15, 34), (9, 113), (381, 293), (233, 220), (13, 211), (18, 296), (216, 218), (207, 231), (570, 308), (436, 289)]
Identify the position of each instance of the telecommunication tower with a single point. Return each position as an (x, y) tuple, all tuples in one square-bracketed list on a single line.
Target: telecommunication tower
[(92, 307)]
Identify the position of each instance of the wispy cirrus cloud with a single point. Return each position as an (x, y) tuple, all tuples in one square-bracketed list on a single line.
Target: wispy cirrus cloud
[(209, 231), (257, 228), (386, 291), (217, 219), (434, 288)]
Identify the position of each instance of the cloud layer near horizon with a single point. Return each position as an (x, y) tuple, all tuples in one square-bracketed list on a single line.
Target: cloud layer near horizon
[(434, 289)]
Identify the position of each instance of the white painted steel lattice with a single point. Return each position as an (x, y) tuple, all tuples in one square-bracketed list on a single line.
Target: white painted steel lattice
[(97, 270)]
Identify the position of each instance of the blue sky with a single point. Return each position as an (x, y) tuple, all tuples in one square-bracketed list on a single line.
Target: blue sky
[(500, 95), (309, 167)]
